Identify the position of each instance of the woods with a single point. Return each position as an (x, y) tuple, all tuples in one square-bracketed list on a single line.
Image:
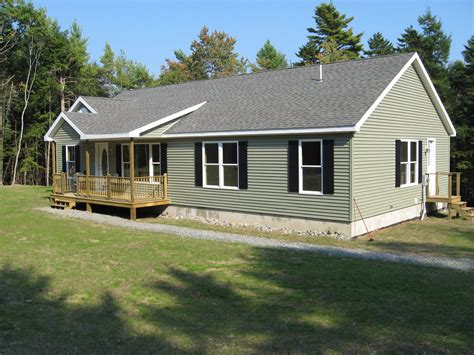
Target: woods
[(44, 68)]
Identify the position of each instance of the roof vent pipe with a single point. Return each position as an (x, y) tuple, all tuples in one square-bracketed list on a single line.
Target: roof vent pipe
[(320, 72)]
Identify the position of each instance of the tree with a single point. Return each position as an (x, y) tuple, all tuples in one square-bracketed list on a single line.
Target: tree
[(433, 46), (460, 104), (212, 56), (330, 53), (331, 26), (379, 45), (269, 58)]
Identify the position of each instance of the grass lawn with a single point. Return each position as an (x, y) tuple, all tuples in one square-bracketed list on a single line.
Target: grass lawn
[(432, 236), (72, 286)]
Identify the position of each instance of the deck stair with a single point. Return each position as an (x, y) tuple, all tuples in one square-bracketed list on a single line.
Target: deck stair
[(61, 203)]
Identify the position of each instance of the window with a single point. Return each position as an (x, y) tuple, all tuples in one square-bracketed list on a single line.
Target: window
[(147, 160), (221, 165), (71, 159), (310, 166), (409, 163)]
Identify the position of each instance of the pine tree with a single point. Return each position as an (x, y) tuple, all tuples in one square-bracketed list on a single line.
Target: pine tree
[(379, 45), (108, 62), (330, 53), (433, 46), (460, 105), (269, 58), (331, 26)]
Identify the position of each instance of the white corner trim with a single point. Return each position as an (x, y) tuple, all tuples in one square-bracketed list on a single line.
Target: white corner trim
[(344, 129), (416, 61), (56, 124), (80, 100), (138, 131)]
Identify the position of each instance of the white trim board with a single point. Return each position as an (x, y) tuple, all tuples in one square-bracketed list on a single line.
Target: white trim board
[(81, 100)]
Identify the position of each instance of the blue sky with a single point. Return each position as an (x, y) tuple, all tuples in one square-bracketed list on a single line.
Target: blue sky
[(150, 30)]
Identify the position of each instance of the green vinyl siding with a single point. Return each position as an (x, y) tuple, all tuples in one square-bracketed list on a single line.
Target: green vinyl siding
[(157, 131), (267, 191), (66, 135), (405, 113)]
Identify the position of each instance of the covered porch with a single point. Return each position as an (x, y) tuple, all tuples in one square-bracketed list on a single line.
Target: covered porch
[(132, 192)]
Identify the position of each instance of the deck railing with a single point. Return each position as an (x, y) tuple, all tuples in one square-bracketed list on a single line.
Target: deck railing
[(454, 183), (113, 187)]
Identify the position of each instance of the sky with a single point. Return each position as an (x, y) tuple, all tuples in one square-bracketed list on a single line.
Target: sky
[(149, 31)]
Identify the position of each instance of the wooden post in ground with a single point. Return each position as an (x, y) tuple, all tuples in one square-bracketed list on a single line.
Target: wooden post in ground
[(133, 213), (89, 207), (88, 168)]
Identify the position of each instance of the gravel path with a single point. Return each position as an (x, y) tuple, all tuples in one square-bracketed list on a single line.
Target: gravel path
[(442, 262)]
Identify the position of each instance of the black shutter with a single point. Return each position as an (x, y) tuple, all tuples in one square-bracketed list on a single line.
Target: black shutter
[(63, 154), (164, 158), (118, 159), (420, 161), (328, 166), (293, 166), (398, 154), (243, 175), (198, 164), (77, 156)]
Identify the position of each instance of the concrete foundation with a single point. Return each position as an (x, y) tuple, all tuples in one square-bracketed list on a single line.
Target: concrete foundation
[(266, 220)]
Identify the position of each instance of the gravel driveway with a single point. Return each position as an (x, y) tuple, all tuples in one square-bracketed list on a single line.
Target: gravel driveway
[(442, 262)]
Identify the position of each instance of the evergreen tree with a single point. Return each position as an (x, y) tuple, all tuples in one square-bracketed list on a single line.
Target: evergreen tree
[(330, 53), (379, 45), (460, 104), (433, 46), (269, 58), (331, 26)]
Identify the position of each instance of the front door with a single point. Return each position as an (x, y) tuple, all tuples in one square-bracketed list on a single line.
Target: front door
[(101, 159), (431, 164)]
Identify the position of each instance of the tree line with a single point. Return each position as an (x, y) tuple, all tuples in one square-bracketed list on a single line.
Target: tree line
[(44, 68)]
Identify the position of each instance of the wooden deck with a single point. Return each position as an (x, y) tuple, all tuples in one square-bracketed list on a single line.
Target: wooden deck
[(68, 191), (453, 198)]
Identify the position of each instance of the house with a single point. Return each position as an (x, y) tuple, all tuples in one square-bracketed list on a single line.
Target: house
[(312, 147)]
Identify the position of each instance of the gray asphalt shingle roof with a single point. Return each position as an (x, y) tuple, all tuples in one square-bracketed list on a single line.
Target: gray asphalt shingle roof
[(279, 99)]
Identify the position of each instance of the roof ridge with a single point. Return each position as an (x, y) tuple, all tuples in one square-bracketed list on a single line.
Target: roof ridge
[(269, 71)]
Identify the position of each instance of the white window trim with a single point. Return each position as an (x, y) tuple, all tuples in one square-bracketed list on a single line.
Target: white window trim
[(69, 161), (408, 170), (220, 164), (300, 167), (151, 164)]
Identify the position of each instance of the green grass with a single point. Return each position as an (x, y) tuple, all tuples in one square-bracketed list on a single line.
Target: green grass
[(432, 236), (72, 286)]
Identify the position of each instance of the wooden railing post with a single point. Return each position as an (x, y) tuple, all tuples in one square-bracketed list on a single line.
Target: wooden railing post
[(165, 186), (132, 170), (109, 191), (458, 184), (437, 183), (63, 183), (88, 168), (77, 183)]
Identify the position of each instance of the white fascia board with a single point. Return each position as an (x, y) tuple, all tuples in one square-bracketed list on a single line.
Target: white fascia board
[(55, 126), (161, 121), (100, 137), (268, 132), (80, 100), (416, 61)]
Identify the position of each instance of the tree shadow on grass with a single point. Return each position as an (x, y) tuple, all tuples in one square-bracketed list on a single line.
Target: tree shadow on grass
[(305, 303), (33, 319), (269, 301)]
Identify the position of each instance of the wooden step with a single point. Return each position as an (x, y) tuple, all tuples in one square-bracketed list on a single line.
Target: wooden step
[(459, 204), (55, 205)]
